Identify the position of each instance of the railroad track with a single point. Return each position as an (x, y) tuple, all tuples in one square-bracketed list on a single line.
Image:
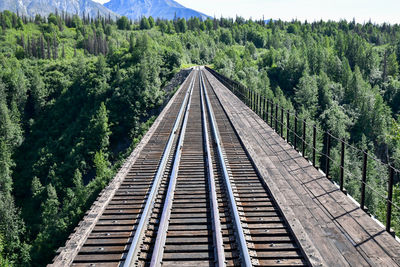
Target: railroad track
[(192, 198)]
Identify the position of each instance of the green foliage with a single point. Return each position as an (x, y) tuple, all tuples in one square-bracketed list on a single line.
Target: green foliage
[(181, 25), (306, 95), (5, 168), (75, 98), (4, 262), (151, 22), (123, 23), (76, 95), (392, 65), (11, 230), (102, 169), (97, 135), (226, 36), (144, 24), (336, 121), (396, 212), (342, 77)]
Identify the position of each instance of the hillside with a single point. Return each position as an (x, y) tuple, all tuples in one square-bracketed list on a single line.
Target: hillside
[(76, 95)]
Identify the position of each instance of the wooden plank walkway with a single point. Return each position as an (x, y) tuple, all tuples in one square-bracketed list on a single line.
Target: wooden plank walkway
[(331, 228)]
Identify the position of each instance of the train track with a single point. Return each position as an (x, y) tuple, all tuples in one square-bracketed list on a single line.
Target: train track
[(192, 198)]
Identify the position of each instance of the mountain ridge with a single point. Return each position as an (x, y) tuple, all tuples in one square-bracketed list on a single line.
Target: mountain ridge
[(163, 9), (133, 9), (45, 7)]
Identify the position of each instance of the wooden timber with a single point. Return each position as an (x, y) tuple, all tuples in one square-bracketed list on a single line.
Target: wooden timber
[(330, 227)]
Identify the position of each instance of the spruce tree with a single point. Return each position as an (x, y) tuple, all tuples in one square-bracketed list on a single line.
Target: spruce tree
[(98, 132), (306, 94), (55, 47), (144, 24), (42, 51), (48, 50), (392, 65)]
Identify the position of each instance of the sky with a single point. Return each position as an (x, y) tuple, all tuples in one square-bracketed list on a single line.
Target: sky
[(377, 11)]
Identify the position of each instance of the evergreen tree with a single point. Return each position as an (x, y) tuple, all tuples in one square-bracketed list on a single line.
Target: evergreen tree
[(102, 166), (51, 226), (55, 48), (306, 94), (42, 52), (336, 121), (181, 26), (123, 23), (151, 22), (38, 92), (392, 65), (5, 168), (97, 137), (10, 130), (48, 50), (356, 88), (144, 24)]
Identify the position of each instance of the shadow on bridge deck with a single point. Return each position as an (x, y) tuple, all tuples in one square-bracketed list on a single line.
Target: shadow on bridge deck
[(331, 228)]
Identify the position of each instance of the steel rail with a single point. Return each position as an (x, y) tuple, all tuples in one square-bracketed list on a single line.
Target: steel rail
[(139, 233), (244, 251), (217, 231), (158, 250)]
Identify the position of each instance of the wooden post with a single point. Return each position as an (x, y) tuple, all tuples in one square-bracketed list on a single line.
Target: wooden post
[(287, 125), (304, 138), (364, 181), (314, 144), (255, 102), (282, 122), (252, 100), (272, 113), (276, 117), (264, 105), (328, 154), (249, 97), (342, 168), (256, 107), (295, 130), (389, 200)]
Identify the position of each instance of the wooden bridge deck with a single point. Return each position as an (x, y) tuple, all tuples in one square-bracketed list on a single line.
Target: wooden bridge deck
[(330, 227), (256, 178)]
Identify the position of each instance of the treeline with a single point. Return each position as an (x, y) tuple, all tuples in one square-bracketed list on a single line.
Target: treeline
[(76, 94), (323, 69)]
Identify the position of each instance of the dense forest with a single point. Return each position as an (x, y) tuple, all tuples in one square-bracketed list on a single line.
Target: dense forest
[(76, 95)]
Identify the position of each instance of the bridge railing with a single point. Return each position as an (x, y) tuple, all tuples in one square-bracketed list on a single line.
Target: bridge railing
[(341, 162)]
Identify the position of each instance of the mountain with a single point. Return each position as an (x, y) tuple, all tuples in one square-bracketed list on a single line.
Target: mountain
[(45, 7), (165, 9)]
